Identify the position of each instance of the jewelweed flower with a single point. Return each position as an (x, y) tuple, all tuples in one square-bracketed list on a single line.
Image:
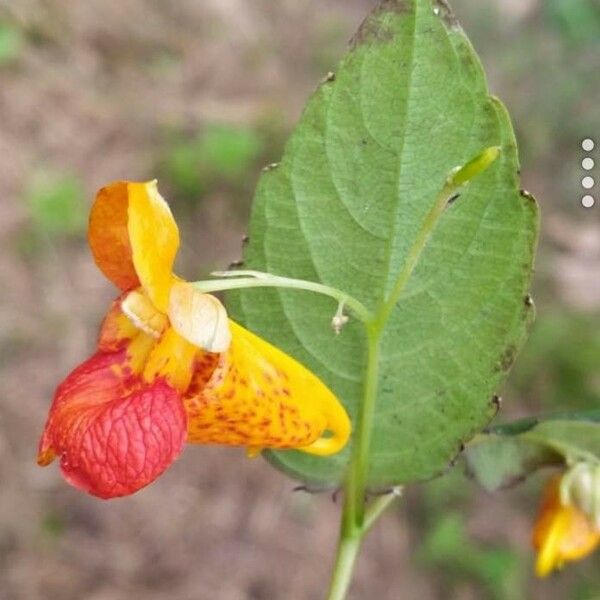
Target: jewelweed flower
[(563, 531), (170, 367)]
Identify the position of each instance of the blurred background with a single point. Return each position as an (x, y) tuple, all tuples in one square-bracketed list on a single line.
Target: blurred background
[(202, 94)]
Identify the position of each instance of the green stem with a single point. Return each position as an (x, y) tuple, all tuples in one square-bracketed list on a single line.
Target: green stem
[(355, 522), (254, 279), (346, 555), (354, 506), (378, 507), (415, 251), (350, 540), (354, 525), (456, 179)]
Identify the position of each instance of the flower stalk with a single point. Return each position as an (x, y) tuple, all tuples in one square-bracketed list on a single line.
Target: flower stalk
[(244, 279)]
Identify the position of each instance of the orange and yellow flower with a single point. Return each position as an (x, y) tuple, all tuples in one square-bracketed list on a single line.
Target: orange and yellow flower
[(563, 532), (170, 367)]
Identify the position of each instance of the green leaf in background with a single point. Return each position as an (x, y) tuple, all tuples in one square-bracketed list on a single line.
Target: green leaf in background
[(229, 151), (11, 43), (559, 365), (448, 547), (578, 19), (219, 153), (509, 453), (57, 203), (372, 150)]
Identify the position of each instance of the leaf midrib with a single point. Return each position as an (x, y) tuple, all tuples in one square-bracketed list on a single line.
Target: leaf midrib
[(388, 284)]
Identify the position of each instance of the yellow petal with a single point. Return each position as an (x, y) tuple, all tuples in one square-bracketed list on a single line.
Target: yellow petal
[(549, 555), (172, 358), (258, 396), (199, 318), (154, 240), (562, 533)]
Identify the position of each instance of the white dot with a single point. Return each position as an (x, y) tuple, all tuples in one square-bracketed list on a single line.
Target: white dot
[(587, 163), (587, 201), (587, 144), (587, 182)]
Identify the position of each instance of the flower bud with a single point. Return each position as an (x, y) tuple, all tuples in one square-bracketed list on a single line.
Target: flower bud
[(463, 174), (581, 488)]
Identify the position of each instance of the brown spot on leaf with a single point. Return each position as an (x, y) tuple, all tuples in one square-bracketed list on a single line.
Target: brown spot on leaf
[(508, 357), (461, 448), (496, 403), (373, 29), (527, 195), (445, 13)]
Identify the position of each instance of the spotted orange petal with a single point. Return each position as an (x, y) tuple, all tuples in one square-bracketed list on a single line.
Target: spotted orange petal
[(171, 359), (113, 434), (117, 330), (260, 397)]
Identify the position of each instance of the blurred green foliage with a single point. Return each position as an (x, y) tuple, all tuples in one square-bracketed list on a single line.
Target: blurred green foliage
[(448, 547), (577, 20), (544, 65), (56, 202), (220, 154), (11, 43), (497, 572), (558, 368), (53, 525)]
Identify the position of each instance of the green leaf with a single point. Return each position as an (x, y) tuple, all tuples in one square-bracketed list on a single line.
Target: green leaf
[(511, 452), (373, 148)]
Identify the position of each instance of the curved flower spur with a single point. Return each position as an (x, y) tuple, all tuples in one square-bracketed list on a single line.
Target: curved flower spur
[(170, 367)]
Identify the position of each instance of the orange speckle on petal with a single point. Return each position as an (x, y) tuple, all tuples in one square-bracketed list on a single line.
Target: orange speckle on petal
[(245, 390), (116, 329), (172, 358)]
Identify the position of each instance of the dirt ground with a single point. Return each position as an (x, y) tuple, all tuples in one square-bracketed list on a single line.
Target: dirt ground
[(93, 91)]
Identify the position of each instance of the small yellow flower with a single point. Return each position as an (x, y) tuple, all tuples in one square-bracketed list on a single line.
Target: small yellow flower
[(563, 532)]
